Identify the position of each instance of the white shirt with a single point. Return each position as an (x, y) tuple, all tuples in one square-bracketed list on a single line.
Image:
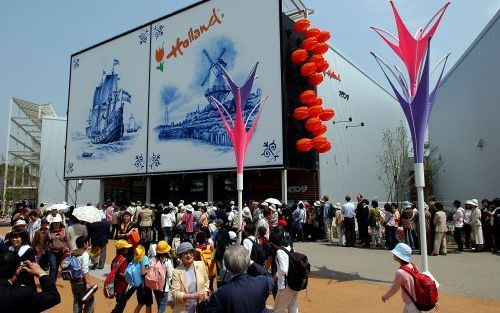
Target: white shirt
[(262, 222), (33, 227), (282, 262), (168, 220), (169, 269), (84, 261), (248, 244), (458, 217), (467, 214)]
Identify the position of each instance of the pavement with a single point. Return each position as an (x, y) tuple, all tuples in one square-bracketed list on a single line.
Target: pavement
[(467, 274), (354, 279)]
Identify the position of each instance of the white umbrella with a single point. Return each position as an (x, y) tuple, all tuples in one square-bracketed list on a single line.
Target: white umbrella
[(89, 214), (273, 201), (58, 206)]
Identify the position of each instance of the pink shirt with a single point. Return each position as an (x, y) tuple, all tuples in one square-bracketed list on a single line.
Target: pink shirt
[(109, 213), (401, 279)]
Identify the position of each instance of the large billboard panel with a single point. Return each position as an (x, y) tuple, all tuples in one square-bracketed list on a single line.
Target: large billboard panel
[(187, 52), (108, 105)]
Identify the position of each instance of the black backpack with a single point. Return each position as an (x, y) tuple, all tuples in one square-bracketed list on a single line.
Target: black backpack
[(298, 270), (258, 255)]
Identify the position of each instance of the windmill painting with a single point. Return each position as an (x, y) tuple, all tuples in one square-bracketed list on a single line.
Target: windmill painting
[(203, 124)]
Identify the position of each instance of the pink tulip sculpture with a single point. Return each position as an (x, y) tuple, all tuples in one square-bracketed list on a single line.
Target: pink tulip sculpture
[(237, 128)]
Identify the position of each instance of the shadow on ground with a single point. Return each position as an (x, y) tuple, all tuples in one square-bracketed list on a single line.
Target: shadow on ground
[(338, 277)]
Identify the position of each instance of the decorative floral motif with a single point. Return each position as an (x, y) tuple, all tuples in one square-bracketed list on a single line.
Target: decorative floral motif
[(143, 36), (139, 162), (154, 161), (158, 31), (76, 63), (271, 152), (69, 168)]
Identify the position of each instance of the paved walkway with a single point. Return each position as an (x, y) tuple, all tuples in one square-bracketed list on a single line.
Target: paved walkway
[(467, 274)]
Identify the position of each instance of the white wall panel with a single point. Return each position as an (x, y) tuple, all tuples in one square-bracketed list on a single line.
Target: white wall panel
[(351, 166), (468, 110)]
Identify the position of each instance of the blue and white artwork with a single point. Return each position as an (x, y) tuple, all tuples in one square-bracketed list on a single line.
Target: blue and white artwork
[(184, 128), (107, 119)]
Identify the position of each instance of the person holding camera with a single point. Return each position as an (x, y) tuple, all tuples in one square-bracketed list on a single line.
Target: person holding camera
[(17, 298)]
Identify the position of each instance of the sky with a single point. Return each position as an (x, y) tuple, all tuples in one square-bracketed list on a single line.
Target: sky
[(38, 37)]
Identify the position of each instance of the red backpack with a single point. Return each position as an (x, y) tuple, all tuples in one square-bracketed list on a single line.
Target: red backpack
[(109, 283), (426, 292)]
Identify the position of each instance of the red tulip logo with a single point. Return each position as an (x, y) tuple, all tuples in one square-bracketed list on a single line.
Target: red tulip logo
[(160, 53)]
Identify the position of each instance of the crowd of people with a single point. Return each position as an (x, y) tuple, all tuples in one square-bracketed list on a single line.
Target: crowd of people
[(189, 257), (186, 256)]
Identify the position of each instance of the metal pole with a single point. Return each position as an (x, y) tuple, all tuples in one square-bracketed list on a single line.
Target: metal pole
[(284, 187), (148, 189), (239, 187), (420, 184), (5, 174), (210, 187)]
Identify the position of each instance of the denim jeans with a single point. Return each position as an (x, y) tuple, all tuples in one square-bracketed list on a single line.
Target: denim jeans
[(167, 234), (54, 263), (161, 300)]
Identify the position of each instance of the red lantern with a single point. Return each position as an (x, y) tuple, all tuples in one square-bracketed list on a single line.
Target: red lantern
[(320, 130), (301, 113), (312, 123), (304, 145), (299, 55), (323, 36), (321, 144), (312, 32), (315, 102), (322, 66), (320, 48), (308, 69), (326, 115), (315, 110), (307, 96), (316, 58), (309, 44), (315, 79), (301, 25)]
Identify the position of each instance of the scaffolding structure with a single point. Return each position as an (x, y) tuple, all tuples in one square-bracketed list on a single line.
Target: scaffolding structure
[(296, 9), (24, 127)]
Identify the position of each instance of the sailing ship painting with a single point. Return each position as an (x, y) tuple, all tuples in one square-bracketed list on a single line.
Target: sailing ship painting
[(105, 130), (203, 125), (105, 123)]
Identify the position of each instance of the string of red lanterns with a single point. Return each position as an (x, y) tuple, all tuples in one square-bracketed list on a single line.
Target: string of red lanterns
[(310, 55)]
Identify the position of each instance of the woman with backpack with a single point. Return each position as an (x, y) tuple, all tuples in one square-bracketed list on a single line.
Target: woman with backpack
[(134, 274), (404, 279), (159, 275), (58, 244), (286, 299)]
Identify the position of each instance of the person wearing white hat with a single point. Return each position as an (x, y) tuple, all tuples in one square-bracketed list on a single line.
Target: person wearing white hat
[(188, 221), (476, 226), (57, 242), (467, 229), (403, 280)]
